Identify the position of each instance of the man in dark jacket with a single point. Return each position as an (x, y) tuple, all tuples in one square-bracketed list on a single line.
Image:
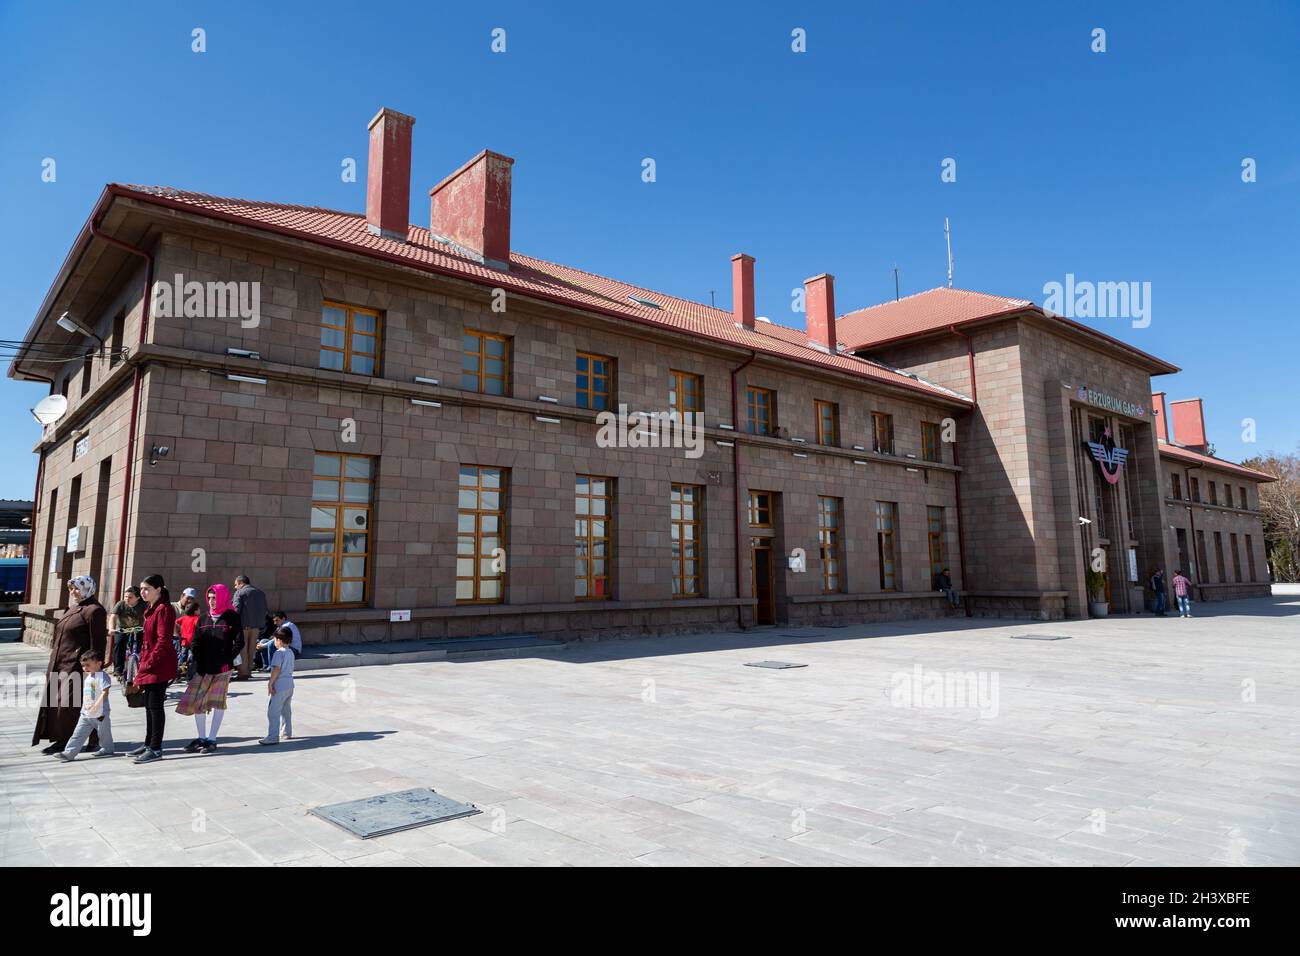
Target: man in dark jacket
[(943, 584), (251, 605), (1159, 590)]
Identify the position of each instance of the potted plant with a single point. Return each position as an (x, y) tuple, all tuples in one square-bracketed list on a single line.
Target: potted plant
[(1098, 606)]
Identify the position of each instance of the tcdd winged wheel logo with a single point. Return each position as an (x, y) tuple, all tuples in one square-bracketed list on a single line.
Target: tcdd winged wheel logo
[(1109, 458)]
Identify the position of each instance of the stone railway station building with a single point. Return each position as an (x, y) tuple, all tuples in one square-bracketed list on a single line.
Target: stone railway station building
[(410, 422)]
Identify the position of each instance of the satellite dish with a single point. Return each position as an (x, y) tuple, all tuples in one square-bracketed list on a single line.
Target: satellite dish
[(50, 409)]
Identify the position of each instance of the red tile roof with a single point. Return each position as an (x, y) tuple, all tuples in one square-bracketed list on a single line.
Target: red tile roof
[(529, 276), (1209, 461), (936, 309), (926, 311)]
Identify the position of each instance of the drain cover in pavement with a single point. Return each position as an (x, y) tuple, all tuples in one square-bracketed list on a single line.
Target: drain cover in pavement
[(775, 665), (391, 812), (1040, 637)]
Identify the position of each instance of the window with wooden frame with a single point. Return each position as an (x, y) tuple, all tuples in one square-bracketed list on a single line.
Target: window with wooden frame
[(830, 522), (485, 364), (1250, 556), (1245, 505), (349, 339), (1236, 558), (760, 509), (760, 406), (887, 543), (481, 535), (685, 395), (594, 384), (87, 372), (1194, 486), (341, 545), (1176, 486), (882, 433), (117, 351), (593, 502), (1214, 494), (930, 446), (828, 423), (934, 534), (1218, 555), (1227, 495), (687, 510)]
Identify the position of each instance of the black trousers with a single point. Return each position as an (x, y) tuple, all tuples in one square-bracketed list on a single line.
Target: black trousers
[(119, 651), (155, 695)]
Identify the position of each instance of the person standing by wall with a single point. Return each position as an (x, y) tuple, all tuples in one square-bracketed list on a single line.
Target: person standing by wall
[(157, 663), (1183, 592), (83, 627), (1159, 590), (250, 603), (124, 629)]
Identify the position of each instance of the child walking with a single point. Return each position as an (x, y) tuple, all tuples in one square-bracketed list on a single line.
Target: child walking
[(94, 709), (280, 689)]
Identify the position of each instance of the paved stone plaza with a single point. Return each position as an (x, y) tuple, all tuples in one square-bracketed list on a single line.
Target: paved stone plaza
[(1138, 741)]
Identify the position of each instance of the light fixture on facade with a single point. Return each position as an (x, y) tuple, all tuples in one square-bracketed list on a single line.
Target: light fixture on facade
[(156, 452), (548, 398), (859, 461), (800, 454), (859, 447), (69, 324), (426, 381), (802, 441), (246, 378), (914, 470), (726, 426), (427, 404), (549, 421), (243, 353), (724, 444)]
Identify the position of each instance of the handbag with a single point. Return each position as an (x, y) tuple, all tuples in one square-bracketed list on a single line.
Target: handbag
[(134, 695)]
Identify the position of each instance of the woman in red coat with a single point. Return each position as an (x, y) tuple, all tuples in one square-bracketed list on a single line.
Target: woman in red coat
[(157, 663)]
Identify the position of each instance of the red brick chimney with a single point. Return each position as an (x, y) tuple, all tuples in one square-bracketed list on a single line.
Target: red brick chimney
[(471, 209), (819, 304), (1160, 414), (1189, 424), (388, 176), (742, 289)]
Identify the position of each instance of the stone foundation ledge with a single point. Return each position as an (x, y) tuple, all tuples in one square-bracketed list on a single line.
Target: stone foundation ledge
[(1231, 592), (868, 608), (1018, 605)]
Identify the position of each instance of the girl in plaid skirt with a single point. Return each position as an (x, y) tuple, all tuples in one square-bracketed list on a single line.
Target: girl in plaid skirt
[(218, 638)]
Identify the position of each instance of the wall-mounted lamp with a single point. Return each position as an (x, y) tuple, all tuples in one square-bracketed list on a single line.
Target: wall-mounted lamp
[(156, 452)]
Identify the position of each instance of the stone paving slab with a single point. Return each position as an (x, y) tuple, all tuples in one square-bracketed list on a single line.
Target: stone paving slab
[(1138, 742)]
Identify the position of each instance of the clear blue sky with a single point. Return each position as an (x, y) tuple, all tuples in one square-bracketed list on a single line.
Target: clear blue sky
[(1117, 166)]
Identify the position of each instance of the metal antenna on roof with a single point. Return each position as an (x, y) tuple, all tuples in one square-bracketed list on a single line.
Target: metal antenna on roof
[(895, 281), (711, 291), (947, 237)]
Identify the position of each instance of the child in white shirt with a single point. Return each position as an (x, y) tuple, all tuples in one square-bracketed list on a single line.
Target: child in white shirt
[(94, 709)]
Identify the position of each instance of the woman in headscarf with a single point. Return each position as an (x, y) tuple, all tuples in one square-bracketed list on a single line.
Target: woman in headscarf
[(83, 627), (157, 663), (218, 638)]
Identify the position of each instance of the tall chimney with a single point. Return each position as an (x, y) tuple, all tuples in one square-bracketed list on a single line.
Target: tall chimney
[(388, 176), (1160, 413), (471, 209), (742, 289), (1189, 424), (819, 304)]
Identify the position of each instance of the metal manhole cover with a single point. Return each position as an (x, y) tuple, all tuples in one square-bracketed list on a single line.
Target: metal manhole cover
[(390, 812), (1040, 637), (775, 665)]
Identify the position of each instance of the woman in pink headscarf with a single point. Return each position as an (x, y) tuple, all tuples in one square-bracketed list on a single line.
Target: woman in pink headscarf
[(218, 638)]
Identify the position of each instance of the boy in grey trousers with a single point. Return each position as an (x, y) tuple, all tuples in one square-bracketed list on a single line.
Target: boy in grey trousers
[(94, 709), (280, 689)]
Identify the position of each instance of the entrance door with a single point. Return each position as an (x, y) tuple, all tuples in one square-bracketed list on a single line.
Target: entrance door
[(764, 592)]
